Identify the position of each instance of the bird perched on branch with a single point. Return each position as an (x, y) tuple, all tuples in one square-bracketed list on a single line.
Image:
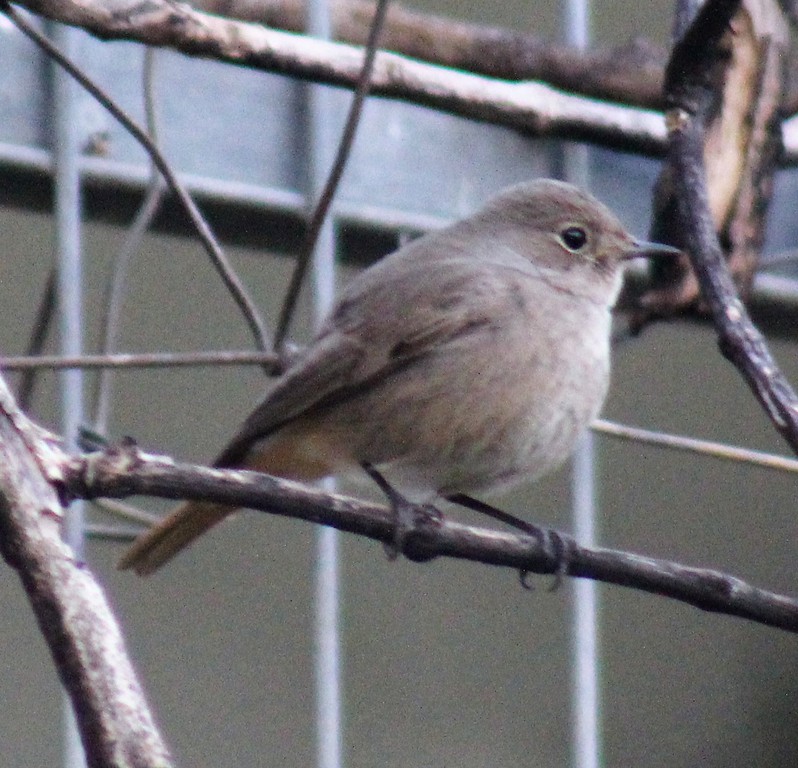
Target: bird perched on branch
[(466, 361)]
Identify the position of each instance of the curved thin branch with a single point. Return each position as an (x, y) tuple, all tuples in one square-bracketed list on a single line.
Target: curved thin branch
[(117, 284), (125, 471), (114, 296), (334, 177), (219, 260)]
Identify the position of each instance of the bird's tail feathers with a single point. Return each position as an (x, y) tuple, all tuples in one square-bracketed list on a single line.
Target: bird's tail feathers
[(176, 531)]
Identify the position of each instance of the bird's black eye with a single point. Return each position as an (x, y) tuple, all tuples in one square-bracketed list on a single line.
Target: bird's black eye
[(574, 238)]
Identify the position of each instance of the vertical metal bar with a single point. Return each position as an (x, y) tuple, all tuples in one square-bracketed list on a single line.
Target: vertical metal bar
[(67, 208), (328, 647), (586, 705), (585, 697), (327, 573), (576, 32)]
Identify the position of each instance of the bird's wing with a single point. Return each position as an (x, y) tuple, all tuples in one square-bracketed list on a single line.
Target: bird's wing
[(325, 367), (380, 325)]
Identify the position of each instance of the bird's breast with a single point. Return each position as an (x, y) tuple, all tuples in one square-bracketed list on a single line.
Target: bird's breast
[(500, 406)]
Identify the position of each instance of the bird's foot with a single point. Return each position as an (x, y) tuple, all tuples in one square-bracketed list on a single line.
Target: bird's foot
[(561, 544), (408, 517), (551, 540)]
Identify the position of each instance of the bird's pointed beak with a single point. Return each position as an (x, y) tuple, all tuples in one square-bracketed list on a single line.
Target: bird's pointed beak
[(643, 249)]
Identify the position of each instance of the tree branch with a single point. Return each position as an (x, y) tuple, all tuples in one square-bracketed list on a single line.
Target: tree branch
[(745, 84), (84, 639), (691, 96), (539, 109), (630, 73), (529, 106), (212, 247), (125, 471)]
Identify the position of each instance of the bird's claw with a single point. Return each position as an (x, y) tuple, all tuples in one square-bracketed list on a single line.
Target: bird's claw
[(551, 540), (408, 518), (563, 546)]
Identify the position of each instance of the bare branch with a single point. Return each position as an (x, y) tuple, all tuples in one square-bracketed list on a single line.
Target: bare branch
[(742, 144), (533, 107), (693, 445), (231, 357), (325, 200), (125, 471), (631, 73), (118, 280), (114, 296), (141, 360), (84, 639), (38, 338), (691, 74), (225, 270)]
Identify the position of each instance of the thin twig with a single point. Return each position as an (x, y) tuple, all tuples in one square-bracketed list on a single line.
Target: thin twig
[(38, 338), (126, 512), (104, 532), (334, 177), (694, 445), (141, 360), (231, 357), (115, 290), (115, 293), (204, 232)]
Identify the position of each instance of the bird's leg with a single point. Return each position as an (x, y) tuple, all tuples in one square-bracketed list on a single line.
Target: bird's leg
[(404, 512), (469, 502), (548, 537)]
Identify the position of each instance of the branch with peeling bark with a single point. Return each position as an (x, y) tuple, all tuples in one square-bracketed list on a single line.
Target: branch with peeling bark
[(692, 75), (743, 93), (631, 74), (535, 107)]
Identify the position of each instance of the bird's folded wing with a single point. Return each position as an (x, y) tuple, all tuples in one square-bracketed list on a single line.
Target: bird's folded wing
[(326, 367), (372, 336)]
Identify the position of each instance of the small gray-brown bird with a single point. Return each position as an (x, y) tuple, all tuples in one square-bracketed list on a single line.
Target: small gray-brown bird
[(464, 362)]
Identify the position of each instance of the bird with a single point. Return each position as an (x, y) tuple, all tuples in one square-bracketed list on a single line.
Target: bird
[(465, 362)]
